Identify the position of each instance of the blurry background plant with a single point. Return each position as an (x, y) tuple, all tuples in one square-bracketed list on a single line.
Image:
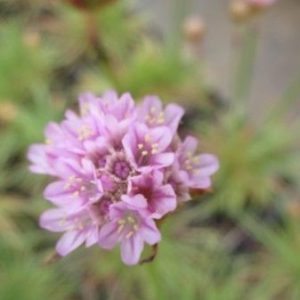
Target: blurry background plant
[(239, 242)]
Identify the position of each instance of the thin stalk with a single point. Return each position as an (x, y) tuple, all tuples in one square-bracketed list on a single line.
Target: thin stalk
[(288, 99), (179, 9), (244, 70)]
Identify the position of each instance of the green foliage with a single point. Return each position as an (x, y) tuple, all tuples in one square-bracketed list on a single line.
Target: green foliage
[(23, 64), (254, 161)]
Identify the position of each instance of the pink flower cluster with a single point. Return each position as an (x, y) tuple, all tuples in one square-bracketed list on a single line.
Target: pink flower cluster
[(118, 169)]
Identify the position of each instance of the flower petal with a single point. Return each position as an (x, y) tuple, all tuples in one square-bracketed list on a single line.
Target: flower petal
[(173, 115), (137, 201), (165, 200), (208, 164), (54, 220), (131, 249), (150, 233), (108, 236), (161, 160), (69, 242)]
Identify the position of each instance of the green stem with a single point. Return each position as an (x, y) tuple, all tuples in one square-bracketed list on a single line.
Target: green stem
[(245, 66), (289, 97)]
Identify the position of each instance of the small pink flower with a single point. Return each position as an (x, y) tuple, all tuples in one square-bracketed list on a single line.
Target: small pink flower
[(152, 114), (160, 197), (131, 226), (146, 148), (195, 170), (78, 184), (78, 225)]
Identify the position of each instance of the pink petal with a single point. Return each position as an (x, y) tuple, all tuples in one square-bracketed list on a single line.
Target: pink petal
[(131, 249), (54, 220), (56, 193), (137, 201), (110, 96), (69, 242), (108, 236), (157, 178), (147, 105), (173, 115), (40, 160), (165, 200), (162, 136), (92, 236), (162, 160), (190, 144), (200, 183), (129, 143), (150, 233), (208, 164), (125, 107)]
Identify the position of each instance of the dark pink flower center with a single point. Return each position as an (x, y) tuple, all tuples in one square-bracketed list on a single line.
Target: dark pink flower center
[(121, 169)]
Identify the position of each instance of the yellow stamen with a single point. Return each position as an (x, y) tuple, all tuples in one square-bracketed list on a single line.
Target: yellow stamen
[(129, 234), (144, 153), (130, 219), (84, 132), (120, 228)]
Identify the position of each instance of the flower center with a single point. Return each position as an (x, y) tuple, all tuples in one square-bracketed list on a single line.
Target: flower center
[(121, 169), (114, 188), (155, 117), (191, 163), (84, 132), (147, 148), (128, 225), (81, 187), (118, 166)]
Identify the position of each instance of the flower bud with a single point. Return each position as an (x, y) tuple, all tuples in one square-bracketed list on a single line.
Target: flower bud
[(240, 10), (31, 38), (8, 112), (194, 29)]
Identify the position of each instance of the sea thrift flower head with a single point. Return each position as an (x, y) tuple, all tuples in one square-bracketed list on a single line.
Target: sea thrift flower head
[(118, 168)]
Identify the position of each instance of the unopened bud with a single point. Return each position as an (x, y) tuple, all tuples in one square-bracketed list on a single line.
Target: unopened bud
[(194, 29), (8, 112), (31, 38), (240, 10)]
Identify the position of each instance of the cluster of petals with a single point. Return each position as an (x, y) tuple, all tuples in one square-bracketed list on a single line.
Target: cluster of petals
[(118, 168)]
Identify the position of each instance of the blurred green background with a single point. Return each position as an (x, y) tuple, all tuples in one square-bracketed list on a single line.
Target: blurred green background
[(242, 241)]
